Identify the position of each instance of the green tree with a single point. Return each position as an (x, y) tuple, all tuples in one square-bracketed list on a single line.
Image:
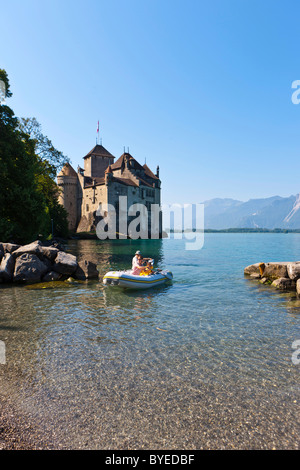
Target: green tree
[(6, 87), (22, 205), (28, 193), (50, 161), (43, 146)]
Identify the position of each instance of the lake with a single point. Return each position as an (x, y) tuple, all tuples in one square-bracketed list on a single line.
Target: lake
[(202, 363)]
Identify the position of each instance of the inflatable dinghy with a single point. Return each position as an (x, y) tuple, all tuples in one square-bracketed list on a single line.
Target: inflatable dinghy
[(126, 279)]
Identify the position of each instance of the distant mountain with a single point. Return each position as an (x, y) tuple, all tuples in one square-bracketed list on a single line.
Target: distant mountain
[(273, 212)]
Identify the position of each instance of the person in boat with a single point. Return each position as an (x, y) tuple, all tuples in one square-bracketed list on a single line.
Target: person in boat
[(138, 263), (148, 269)]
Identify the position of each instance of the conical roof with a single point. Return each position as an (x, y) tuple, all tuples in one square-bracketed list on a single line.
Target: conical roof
[(67, 170)]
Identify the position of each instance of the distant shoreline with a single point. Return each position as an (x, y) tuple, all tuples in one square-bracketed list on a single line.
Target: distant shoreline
[(168, 232), (238, 230)]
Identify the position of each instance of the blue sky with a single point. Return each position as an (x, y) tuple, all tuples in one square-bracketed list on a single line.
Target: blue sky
[(202, 88)]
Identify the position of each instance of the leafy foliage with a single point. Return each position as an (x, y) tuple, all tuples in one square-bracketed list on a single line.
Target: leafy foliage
[(28, 192), (43, 146)]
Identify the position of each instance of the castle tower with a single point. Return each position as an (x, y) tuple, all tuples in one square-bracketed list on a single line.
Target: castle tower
[(96, 162), (67, 180)]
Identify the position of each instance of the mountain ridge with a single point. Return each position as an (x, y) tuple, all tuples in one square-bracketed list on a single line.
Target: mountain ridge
[(269, 213)]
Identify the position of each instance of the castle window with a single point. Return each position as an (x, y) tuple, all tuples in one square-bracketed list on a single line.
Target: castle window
[(87, 208), (149, 193)]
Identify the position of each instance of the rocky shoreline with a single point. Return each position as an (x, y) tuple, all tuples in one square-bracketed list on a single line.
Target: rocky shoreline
[(284, 276), (38, 262)]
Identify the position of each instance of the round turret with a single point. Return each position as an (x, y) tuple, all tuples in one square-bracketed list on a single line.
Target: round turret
[(67, 180)]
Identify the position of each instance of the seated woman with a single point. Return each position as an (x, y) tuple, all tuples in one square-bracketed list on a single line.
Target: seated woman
[(137, 264)]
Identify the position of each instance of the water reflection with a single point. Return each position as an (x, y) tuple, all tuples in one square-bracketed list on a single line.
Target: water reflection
[(112, 255), (86, 359)]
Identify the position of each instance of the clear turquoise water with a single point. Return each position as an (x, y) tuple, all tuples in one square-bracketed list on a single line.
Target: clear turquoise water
[(204, 362)]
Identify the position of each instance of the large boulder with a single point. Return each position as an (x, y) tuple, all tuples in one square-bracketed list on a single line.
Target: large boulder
[(34, 248), (49, 252), (65, 263), (276, 270), (252, 269), (86, 270), (293, 270), (284, 283), (29, 268), (7, 267), (298, 286), (9, 247)]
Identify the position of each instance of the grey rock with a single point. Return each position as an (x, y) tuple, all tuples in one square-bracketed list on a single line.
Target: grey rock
[(49, 252), (9, 247), (255, 276), (284, 283), (86, 270), (65, 263), (276, 270), (298, 286), (34, 248), (293, 270), (252, 269), (29, 268), (7, 267)]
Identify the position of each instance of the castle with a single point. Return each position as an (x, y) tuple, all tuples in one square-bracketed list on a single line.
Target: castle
[(102, 181)]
